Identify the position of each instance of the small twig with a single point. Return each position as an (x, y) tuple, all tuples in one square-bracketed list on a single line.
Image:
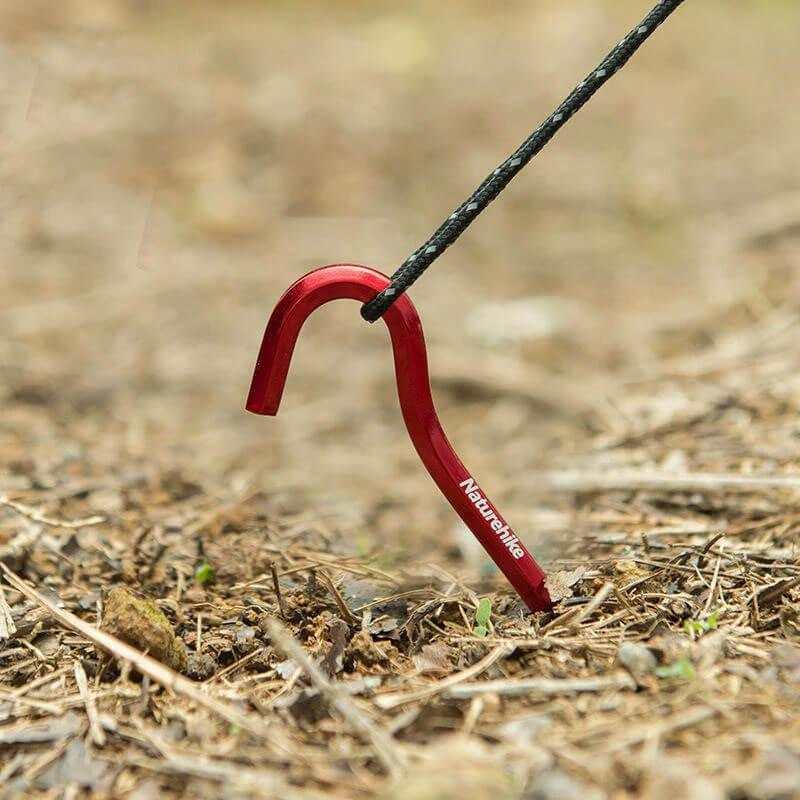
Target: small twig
[(10, 768), (340, 601), (276, 584), (543, 686), (157, 671), (50, 755), (584, 613), (769, 595), (472, 716), (712, 589), (574, 617), (37, 683), (218, 676), (95, 728), (37, 516), (385, 747), (712, 541), (398, 699), (7, 626), (40, 705)]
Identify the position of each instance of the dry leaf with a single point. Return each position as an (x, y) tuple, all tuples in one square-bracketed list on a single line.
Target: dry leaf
[(434, 658), (560, 583)]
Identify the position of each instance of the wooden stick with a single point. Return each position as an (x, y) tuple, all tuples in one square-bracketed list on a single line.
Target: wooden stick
[(633, 480), (155, 670), (543, 686)]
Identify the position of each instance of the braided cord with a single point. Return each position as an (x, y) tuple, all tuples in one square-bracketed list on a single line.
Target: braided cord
[(447, 233)]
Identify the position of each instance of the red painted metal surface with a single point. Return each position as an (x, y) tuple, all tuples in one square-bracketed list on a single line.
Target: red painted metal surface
[(413, 387)]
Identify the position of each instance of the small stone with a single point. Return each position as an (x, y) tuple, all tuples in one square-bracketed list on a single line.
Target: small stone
[(141, 623), (245, 639), (200, 666), (637, 659)]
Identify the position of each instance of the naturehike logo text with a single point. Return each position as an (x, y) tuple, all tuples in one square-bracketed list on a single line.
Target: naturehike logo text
[(507, 536)]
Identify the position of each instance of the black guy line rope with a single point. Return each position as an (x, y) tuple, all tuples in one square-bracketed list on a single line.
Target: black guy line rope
[(493, 184)]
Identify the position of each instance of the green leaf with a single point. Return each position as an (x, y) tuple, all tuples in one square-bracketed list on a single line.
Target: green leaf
[(683, 669), (480, 631), (692, 626), (204, 573), (484, 612), (700, 626)]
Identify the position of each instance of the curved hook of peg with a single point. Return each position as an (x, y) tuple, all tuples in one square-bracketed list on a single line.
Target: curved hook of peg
[(413, 387)]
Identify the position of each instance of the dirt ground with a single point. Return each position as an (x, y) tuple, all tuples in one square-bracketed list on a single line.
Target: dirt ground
[(613, 354)]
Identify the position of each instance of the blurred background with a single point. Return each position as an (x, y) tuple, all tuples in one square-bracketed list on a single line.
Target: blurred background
[(168, 169)]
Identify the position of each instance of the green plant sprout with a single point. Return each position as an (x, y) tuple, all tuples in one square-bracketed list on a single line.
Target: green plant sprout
[(697, 627), (204, 573), (483, 615)]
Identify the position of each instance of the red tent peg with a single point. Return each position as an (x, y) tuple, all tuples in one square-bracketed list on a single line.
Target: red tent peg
[(350, 281)]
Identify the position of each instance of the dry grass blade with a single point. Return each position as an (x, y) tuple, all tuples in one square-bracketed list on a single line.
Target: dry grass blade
[(39, 705), (337, 596), (35, 515), (7, 626), (385, 748), (155, 670), (95, 728)]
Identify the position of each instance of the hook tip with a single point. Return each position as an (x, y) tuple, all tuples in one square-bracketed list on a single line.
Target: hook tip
[(262, 404), (261, 407)]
